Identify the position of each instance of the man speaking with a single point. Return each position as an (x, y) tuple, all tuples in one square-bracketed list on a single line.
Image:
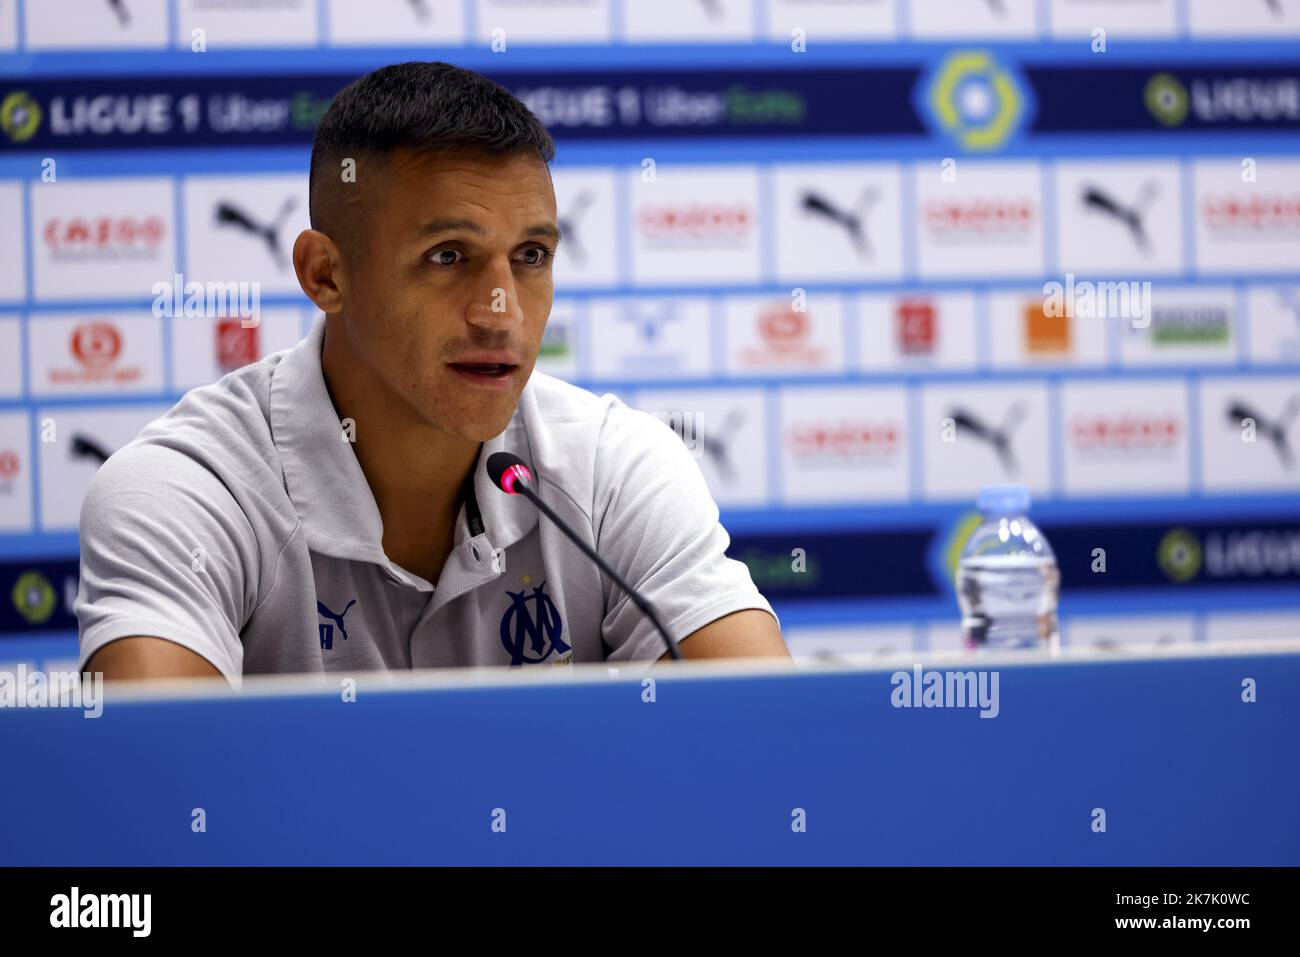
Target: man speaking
[(330, 508)]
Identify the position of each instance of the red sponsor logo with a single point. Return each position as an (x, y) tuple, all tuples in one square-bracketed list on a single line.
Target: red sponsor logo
[(237, 345), (97, 347), (844, 439), (1132, 432), (980, 217), (915, 326), (697, 221), (784, 332), (104, 233), (9, 464), (783, 329), (95, 344), (1252, 212)]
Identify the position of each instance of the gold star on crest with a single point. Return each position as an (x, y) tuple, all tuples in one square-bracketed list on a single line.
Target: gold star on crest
[(526, 579)]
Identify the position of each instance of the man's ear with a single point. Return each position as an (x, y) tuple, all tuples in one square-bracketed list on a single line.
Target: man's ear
[(319, 265)]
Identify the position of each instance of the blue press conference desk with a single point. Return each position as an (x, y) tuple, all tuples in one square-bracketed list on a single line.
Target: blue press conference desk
[(711, 772)]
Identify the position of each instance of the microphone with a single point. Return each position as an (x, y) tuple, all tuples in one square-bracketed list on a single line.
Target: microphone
[(509, 473)]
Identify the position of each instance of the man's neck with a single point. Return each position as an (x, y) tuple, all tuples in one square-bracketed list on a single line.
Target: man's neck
[(414, 471)]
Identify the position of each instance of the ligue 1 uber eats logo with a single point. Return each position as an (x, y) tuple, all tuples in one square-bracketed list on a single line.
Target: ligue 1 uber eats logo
[(974, 98), (20, 116)]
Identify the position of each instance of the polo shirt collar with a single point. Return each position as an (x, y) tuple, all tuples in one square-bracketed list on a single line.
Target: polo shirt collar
[(329, 490)]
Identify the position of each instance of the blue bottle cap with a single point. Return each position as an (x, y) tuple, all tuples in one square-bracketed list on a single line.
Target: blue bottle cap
[(1003, 500)]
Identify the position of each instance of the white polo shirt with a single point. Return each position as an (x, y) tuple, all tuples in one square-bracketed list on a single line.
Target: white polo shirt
[(241, 526)]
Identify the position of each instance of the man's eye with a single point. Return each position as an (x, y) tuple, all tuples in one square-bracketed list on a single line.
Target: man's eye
[(536, 255), (444, 257)]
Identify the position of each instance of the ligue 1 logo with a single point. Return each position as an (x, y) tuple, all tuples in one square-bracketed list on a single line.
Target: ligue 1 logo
[(976, 99), (1167, 99), (34, 598), (20, 116), (1179, 555)]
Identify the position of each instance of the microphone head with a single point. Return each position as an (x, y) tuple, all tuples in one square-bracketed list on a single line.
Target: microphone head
[(506, 470)]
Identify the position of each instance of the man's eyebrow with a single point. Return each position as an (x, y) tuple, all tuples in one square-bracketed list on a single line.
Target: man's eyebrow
[(546, 230), (436, 227)]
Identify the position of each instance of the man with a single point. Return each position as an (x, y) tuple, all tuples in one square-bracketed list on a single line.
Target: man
[(328, 508)]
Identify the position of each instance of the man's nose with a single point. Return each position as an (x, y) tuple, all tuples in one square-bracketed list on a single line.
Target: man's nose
[(495, 302)]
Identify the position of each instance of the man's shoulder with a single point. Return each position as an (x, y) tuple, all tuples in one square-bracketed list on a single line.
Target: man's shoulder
[(557, 403), (225, 427), (598, 434)]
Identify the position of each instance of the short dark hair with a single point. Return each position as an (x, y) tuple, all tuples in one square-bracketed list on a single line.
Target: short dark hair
[(422, 106)]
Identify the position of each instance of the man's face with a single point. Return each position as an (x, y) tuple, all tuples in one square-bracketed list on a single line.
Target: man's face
[(452, 265)]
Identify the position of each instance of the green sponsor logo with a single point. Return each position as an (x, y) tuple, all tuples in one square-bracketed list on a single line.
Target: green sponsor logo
[(20, 116), (34, 597), (1167, 99), (1179, 554)]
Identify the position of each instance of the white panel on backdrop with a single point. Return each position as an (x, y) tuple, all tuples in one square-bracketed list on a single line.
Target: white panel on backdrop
[(1247, 226), (844, 444), (558, 355), (964, 19), (81, 438), (94, 24), (831, 21), (912, 331), (715, 21), (1190, 325), (695, 225), (15, 473), (726, 430), (242, 229), (204, 348), (586, 202), (110, 353), (838, 221), (11, 358), (1125, 437), (102, 238), (247, 23), (1119, 218), (987, 222), (651, 337), (1250, 433), (8, 25), (544, 21), (13, 251), (1022, 333), (941, 636), (977, 434), (768, 335), (1264, 19), (396, 22), (1252, 626), (1119, 18), (1137, 633), (1274, 323)]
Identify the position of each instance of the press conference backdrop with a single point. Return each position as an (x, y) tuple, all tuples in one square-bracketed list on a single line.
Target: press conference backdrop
[(819, 238)]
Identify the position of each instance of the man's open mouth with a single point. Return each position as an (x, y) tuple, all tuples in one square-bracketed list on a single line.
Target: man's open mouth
[(487, 370)]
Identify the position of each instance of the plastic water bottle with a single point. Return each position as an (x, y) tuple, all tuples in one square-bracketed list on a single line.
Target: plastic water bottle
[(1007, 579)]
